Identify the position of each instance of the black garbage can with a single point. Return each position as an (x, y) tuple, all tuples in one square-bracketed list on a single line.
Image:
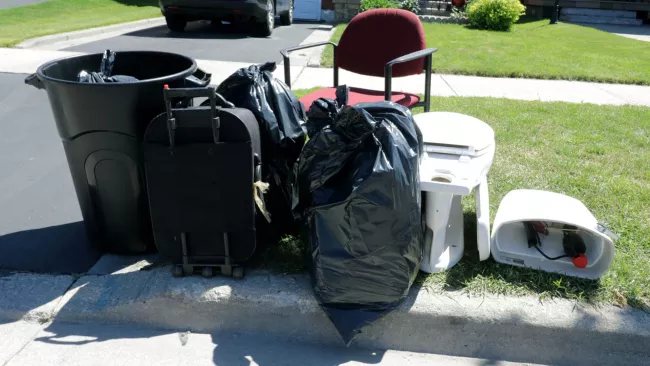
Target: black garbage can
[(102, 126)]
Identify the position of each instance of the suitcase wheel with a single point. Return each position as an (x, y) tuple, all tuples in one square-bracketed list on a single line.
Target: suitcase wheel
[(207, 272), (238, 272), (177, 271), (226, 271)]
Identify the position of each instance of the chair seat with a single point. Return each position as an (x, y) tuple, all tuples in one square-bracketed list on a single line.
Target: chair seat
[(358, 95)]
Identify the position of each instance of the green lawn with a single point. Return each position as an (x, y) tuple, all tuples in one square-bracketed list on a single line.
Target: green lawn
[(597, 154), (534, 50), (58, 16)]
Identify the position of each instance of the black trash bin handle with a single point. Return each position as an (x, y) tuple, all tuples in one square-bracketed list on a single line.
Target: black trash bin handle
[(34, 81), (200, 79)]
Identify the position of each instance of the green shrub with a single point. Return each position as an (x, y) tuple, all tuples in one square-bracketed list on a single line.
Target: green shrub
[(497, 15), (378, 4), (411, 5)]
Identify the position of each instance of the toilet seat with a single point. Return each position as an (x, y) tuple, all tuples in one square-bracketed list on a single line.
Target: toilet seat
[(454, 134), (458, 148)]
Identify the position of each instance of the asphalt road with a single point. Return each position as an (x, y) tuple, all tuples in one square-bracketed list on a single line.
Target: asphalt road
[(5, 4), (201, 40), (41, 228)]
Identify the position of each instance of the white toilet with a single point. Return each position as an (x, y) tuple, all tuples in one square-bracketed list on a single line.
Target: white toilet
[(458, 153)]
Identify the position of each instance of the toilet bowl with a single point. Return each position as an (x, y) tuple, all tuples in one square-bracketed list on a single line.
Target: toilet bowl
[(458, 153)]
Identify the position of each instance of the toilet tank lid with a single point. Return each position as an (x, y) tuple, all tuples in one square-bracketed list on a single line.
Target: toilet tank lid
[(455, 130)]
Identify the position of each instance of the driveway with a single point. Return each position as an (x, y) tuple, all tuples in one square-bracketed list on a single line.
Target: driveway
[(201, 40), (6, 4), (641, 33), (41, 228)]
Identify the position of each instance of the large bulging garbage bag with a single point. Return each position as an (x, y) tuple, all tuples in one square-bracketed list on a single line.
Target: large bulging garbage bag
[(281, 117), (358, 193)]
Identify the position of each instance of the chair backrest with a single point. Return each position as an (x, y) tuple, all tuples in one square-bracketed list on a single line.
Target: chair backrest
[(377, 36)]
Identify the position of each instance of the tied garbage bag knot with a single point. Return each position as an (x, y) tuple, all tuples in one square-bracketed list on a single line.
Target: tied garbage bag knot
[(104, 75)]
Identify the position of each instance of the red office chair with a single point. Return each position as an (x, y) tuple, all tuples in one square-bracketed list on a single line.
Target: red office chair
[(378, 42)]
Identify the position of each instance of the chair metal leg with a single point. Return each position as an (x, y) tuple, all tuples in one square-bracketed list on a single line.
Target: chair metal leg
[(427, 84), (287, 72)]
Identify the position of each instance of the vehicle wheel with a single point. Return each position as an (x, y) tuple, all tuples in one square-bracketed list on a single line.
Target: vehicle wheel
[(238, 272), (287, 18), (176, 23), (265, 28)]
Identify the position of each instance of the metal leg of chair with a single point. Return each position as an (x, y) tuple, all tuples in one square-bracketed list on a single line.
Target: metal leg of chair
[(287, 72), (427, 84), (336, 70), (388, 83)]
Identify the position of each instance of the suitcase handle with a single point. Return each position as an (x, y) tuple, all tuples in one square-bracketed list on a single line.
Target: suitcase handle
[(208, 92)]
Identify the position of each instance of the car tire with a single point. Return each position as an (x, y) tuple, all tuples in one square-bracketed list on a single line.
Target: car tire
[(287, 18), (176, 23), (265, 27)]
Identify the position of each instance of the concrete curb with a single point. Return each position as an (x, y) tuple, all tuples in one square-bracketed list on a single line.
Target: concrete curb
[(510, 328), (31, 297), (311, 57), (62, 37), (441, 19), (323, 36)]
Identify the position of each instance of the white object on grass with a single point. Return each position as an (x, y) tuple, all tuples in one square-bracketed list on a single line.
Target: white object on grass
[(458, 153), (510, 245)]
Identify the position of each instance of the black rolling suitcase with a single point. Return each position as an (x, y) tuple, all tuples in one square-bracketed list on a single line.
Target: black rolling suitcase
[(201, 164)]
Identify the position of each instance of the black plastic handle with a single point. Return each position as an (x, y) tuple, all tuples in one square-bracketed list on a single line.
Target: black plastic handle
[(34, 81), (200, 79), (208, 92)]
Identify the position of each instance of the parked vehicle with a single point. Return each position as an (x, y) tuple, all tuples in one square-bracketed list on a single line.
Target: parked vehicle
[(261, 13)]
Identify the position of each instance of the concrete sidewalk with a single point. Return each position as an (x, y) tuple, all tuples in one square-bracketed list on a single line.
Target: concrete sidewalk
[(516, 329), (28, 60), (113, 345)]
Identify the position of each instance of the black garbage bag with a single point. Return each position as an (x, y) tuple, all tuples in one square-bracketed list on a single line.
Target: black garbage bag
[(281, 117), (105, 71), (323, 110), (357, 191)]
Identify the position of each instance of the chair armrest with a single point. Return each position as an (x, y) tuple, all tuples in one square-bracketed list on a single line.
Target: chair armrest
[(388, 73), (411, 56), (287, 63)]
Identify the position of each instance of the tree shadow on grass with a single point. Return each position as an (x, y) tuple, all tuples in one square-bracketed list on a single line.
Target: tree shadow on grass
[(290, 256)]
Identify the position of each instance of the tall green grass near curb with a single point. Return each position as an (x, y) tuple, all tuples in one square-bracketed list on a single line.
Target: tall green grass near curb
[(59, 16), (597, 154), (534, 49)]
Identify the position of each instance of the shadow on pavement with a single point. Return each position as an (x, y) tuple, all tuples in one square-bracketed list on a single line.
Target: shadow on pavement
[(55, 249), (490, 343), (195, 30), (123, 343), (200, 30), (228, 352)]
